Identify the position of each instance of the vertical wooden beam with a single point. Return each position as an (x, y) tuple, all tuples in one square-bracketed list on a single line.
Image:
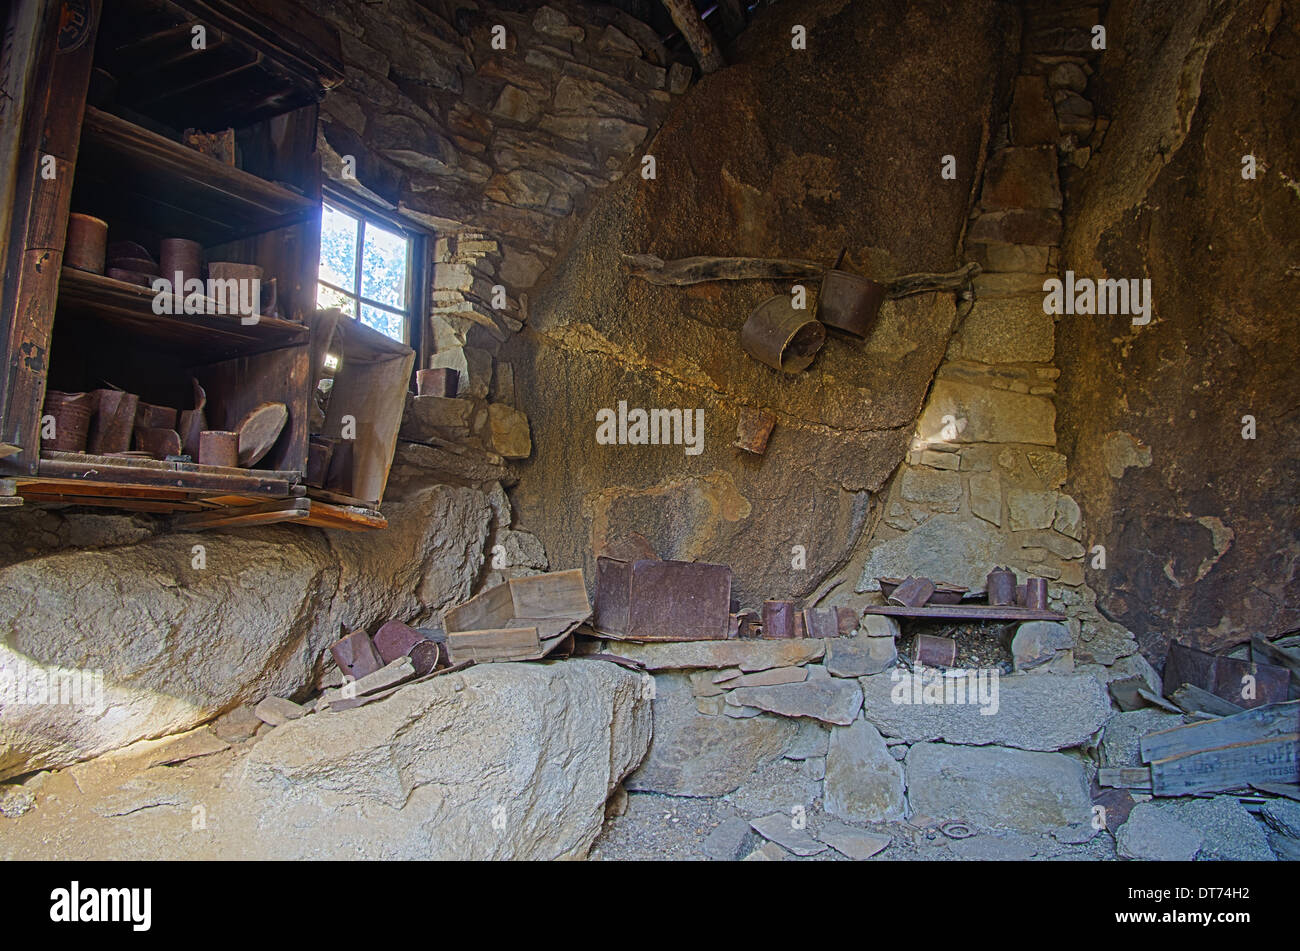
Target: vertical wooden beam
[(697, 34), (39, 218)]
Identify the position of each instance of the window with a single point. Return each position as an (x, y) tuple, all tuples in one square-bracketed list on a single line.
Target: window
[(366, 270)]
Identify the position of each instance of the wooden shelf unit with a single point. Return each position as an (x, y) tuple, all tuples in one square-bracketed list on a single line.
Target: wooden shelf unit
[(120, 158)]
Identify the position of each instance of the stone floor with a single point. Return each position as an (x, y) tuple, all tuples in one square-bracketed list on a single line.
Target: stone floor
[(675, 828)]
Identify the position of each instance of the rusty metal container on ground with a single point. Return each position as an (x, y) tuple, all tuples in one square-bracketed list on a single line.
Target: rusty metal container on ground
[(782, 336), (849, 302)]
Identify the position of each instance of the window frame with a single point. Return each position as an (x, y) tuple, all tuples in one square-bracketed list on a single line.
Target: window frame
[(416, 294)]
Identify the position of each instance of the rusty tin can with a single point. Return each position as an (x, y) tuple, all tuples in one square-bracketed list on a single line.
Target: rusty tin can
[(932, 651), (180, 256), (781, 336), (1036, 593), (1002, 586), (71, 413), (778, 619), (219, 448), (87, 243), (114, 421), (849, 302)]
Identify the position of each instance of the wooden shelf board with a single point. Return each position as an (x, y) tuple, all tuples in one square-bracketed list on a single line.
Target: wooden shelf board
[(257, 62), (166, 478), (128, 173), (966, 612), (208, 337)]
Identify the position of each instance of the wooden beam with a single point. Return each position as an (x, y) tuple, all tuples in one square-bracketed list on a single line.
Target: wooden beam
[(697, 34), (269, 513)]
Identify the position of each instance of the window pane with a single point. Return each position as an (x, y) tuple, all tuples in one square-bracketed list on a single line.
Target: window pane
[(327, 297), (391, 325), (338, 247), (383, 267)]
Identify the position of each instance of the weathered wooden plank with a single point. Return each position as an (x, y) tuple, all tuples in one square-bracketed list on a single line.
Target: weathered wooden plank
[(1276, 719), (268, 513), (1124, 777), (1192, 699), (966, 612), (495, 644), (1275, 759)]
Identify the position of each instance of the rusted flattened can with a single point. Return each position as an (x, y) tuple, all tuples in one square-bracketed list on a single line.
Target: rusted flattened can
[(778, 619), (912, 593), (781, 335), (849, 302)]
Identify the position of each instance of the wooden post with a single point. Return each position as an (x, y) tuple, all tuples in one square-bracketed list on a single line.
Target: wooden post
[(697, 34)]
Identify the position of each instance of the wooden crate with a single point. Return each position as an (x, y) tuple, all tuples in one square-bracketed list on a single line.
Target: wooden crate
[(522, 619)]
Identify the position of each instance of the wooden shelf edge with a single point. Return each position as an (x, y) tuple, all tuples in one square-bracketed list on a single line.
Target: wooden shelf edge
[(966, 612)]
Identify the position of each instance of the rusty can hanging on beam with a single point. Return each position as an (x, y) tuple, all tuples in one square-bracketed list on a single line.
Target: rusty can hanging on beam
[(931, 651), (849, 302), (778, 619), (782, 336)]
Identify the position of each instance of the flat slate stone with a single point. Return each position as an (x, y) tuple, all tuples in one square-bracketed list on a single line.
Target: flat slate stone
[(1155, 834), (830, 700), (748, 655), (853, 843), (993, 787), (767, 678), (1230, 832), (695, 755), (779, 828), (864, 783), (1029, 711), (729, 842), (860, 656)]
